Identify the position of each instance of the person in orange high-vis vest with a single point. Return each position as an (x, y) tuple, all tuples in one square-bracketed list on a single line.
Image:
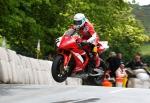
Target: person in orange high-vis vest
[(121, 76)]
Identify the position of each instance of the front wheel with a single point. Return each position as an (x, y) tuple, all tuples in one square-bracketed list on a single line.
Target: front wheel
[(58, 72)]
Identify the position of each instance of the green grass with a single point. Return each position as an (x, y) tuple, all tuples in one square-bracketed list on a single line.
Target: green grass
[(145, 49)]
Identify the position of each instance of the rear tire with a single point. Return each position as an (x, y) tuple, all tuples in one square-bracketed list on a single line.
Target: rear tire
[(58, 72), (95, 80)]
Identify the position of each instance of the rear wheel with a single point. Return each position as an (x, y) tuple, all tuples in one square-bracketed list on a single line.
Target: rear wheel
[(97, 80), (58, 72)]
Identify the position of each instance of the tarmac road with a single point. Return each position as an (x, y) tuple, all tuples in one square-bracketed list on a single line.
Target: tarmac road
[(71, 94)]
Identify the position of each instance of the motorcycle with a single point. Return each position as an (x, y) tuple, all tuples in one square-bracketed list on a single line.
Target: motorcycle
[(68, 47)]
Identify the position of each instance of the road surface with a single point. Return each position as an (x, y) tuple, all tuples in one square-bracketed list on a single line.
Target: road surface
[(71, 94)]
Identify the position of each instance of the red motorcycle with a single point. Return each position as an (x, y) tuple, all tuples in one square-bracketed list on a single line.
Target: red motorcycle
[(68, 55)]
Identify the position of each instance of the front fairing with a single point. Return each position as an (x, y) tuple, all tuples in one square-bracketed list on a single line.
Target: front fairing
[(68, 42)]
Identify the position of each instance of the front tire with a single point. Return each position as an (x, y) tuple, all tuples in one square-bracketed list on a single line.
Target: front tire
[(58, 72)]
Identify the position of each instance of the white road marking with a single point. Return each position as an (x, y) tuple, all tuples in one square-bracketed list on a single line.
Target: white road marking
[(120, 90)]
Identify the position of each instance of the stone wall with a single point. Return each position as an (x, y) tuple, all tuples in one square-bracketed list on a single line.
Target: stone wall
[(18, 69)]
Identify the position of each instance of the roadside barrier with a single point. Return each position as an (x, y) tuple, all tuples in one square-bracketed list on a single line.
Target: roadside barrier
[(142, 79), (18, 69)]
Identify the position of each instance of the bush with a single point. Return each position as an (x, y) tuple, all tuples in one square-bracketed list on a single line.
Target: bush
[(146, 59)]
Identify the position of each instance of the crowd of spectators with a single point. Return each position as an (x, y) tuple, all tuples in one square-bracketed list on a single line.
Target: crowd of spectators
[(116, 67)]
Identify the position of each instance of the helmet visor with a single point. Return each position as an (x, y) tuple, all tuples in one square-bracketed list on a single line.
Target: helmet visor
[(78, 22)]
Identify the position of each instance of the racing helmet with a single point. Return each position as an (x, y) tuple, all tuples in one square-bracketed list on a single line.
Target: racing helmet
[(79, 20)]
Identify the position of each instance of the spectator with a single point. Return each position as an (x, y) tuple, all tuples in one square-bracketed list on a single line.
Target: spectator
[(138, 70), (121, 76), (121, 71), (118, 60), (136, 63), (114, 62)]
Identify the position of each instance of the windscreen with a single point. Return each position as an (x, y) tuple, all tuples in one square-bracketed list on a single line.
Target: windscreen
[(70, 32)]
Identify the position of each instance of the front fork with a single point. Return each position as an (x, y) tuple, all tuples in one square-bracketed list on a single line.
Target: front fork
[(67, 58), (80, 63)]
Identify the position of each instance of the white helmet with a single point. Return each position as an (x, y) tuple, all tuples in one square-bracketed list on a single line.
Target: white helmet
[(79, 20)]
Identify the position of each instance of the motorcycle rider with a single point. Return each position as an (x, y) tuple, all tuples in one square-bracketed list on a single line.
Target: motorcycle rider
[(83, 27)]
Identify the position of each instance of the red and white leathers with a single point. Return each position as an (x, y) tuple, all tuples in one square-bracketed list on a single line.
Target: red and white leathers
[(87, 33)]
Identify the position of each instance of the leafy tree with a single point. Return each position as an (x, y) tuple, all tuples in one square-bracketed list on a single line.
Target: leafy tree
[(24, 22), (113, 21)]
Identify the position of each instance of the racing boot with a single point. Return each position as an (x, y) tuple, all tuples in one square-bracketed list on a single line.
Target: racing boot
[(96, 70)]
